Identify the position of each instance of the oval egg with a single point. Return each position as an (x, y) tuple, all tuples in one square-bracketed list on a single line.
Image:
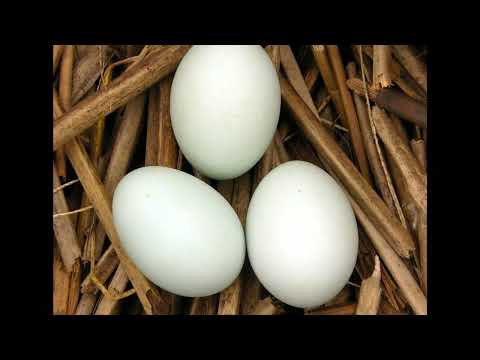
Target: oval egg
[(180, 233), (302, 236), (225, 105)]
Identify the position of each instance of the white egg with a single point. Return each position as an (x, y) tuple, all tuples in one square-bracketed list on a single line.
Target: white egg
[(302, 236), (224, 105), (181, 233)]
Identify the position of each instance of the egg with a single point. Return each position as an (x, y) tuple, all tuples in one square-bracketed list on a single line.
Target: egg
[(181, 233), (302, 236), (224, 106)]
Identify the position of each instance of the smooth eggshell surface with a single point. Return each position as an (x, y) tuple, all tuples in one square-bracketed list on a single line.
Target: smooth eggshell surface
[(181, 233), (225, 105), (302, 236)]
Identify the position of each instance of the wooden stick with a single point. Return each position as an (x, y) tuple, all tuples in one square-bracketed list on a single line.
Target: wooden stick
[(323, 64), (266, 307), (122, 151), (379, 175), (57, 54), (229, 299), (348, 309), (167, 145), (399, 271), (330, 151), (117, 286), (423, 248), (88, 69), (64, 230), (403, 157), (86, 304), (420, 152), (274, 52), (103, 269), (74, 288), (294, 75), (370, 293), (351, 115), (311, 77), (414, 66), (387, 309), (61, 284), (382, 57), (153, 126), (65, 97), (131, 83), (394, 101)]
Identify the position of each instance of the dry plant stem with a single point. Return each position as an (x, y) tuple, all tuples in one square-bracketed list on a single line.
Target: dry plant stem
[(404, 279), (274, 52), (86, 304), (351, 115), (370, 293), (167, 145), (422, 240), (414, 66), (330, 151), (394, 101), (129, 85), (266, 307), (387, 309), (103, 269), (153, 126), (207, 305), (280, 148), (122, 151), (348, 309), (311, 76), (117, 286), (57, 54), (403, 157), (61, 284), (382, 57), (368, 65), (64, 231), (378, 172), (323, 64), (229, 299), (420, 151)]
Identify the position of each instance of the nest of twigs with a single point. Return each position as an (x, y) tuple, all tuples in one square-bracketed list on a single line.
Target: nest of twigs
[(359, 112)]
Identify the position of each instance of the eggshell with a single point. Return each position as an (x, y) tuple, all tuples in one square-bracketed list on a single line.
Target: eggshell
[(181, 233), (302, 236), (224, 105)]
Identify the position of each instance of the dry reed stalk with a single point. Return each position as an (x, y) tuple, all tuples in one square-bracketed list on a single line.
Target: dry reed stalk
[(370, 293), (61, 284), (420, 152), (148, 294), (350, 114), (328, 149), (64, 230), (167, 145), (323, 64), (65, 97), (266, 307), (229, 299), (367, 62), (311, 77), (122, 152), (412, 64), (274, 53), (294, 75), (423, 248), (348, 309), (117, 286), (387, 309), (139, 77), (327, 111), (57, 54), (86, 304), (382, 58), (403, 157), (393, 101), (379, 175), (153, 126), (400, 273), (103, 269), (88, 68)]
